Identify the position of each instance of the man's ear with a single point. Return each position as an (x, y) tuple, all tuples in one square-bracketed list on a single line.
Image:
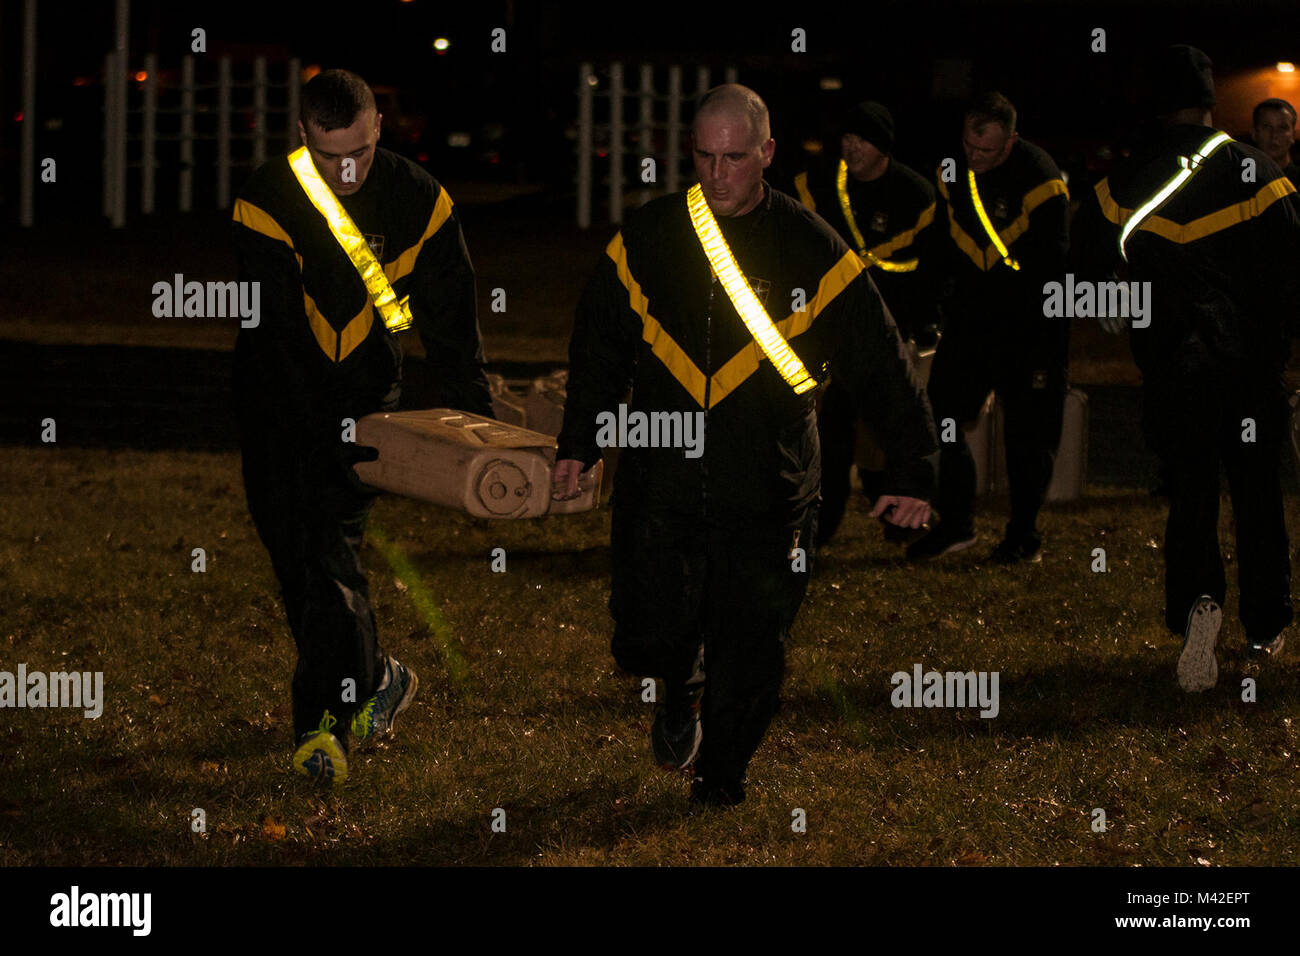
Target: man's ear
[(302, 133), (379, 119), (769, 150)]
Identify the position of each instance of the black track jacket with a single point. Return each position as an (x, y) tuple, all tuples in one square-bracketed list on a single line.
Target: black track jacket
[(321, 351), (653, 317)]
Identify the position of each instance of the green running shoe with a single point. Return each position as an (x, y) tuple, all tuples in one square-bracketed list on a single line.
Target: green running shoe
[(394, 695), (320, 755)]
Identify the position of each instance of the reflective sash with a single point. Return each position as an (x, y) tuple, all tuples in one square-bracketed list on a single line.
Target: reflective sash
[(841, 187), (396, 314), (1167, 191), (750, 310), (988, 226)]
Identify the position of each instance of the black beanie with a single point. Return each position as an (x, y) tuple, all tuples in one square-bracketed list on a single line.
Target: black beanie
[(1179, 77), (873, 122)]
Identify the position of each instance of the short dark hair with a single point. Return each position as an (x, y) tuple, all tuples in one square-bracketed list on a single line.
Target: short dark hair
[(333, 99), (992, 107), (1272, 104)]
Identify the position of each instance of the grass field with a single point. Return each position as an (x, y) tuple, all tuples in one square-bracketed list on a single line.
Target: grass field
[(521, 707)]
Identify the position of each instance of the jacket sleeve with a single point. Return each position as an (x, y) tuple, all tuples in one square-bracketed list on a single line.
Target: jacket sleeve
[(284, 389), (602, 360), (875, 365), (1042, 249), (1094, 241), (445, 312)]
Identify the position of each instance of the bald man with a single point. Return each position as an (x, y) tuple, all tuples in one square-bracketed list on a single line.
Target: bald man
[(724, 308)]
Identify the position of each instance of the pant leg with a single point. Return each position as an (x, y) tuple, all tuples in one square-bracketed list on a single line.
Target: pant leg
[(960, 380), (1254, 477), (837, 430), (312, 529), (753, 598), (656, 591), (1033, 404), (1181, 419)]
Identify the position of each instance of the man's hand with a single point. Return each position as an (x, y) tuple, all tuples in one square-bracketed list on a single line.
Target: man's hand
[(564, 483), (904, 512)]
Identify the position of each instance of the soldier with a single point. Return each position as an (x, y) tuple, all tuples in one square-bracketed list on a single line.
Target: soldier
[(880, 207), (1000, 233), (327, 350), (713, 551), (1274, 124), (1214, 227)]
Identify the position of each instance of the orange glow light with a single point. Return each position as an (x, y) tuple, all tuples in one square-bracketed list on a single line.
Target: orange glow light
[(141, 76), (1286, 67)]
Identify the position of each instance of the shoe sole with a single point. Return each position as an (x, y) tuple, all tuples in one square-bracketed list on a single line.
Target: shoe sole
[(405, 702), (690, 756), (954, 548), (1197, 668), (329, 761)]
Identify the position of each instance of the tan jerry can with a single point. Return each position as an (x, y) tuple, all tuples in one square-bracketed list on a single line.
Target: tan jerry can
[(545, 403), (1070, 472), (467, 462), (507, 401)]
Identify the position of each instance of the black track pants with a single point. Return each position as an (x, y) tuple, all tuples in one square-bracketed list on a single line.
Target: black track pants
[(677, 584)]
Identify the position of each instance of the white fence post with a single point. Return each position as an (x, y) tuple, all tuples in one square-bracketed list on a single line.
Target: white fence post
[(259, 111), (148, 131), (27, 160), (674, 126), (185, 199), (584, 145), (616, 143), (223, 133)]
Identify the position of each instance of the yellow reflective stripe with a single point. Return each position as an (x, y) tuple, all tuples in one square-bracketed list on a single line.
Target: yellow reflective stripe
[(355, 332), (968, 245), (337, 345), (1224, 218), (259, 220), (1109, 207), (805, 197), (1033, 199), (403, 264), (842, 190), (662, 345), (326, 337), (987, 224), (745, 362), (1166, 192), (901, 241), (397, 315), (742, 297)]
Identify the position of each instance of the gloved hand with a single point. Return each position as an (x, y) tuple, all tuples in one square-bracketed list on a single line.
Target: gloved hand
[(1114, 324), (332, 463)]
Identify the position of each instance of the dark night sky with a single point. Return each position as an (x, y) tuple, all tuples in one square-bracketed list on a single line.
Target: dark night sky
[(1035, 52)]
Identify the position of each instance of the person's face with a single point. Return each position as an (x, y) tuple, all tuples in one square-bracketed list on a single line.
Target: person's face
[(329, 149), (730, 163), (1274, 135), (986, 146), (860, 156)]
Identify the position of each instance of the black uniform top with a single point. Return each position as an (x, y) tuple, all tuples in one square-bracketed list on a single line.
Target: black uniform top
[(654, 317), (321, 351), (891, 213), (1027, 203), (1221, 254), (1292, 172)]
